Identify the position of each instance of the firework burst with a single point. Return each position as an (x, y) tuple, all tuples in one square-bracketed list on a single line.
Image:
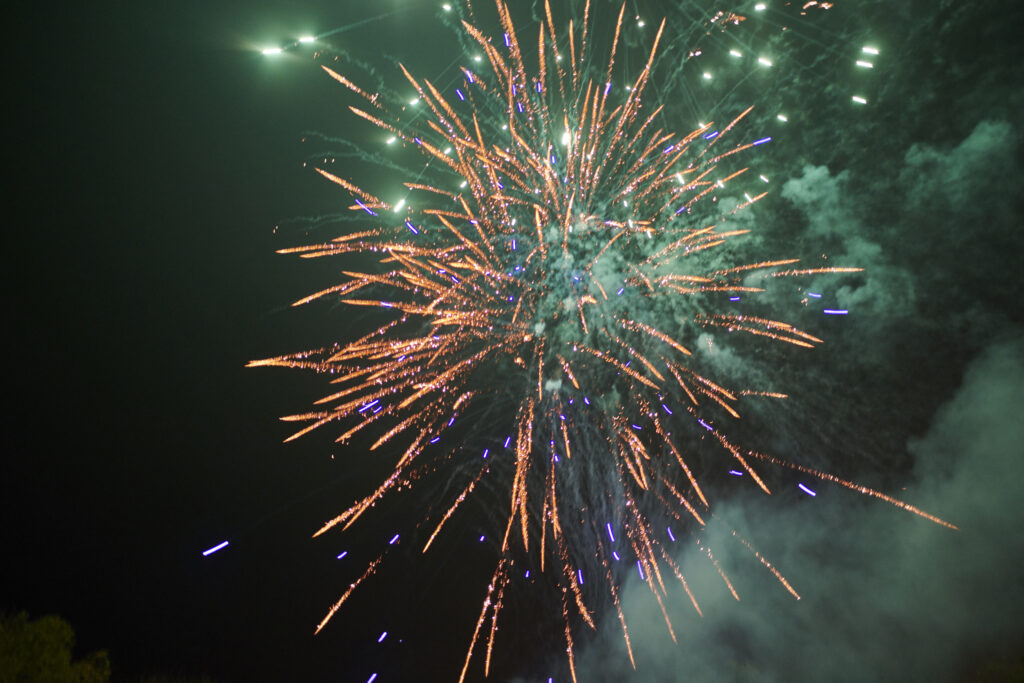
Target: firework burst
[(564, 283)]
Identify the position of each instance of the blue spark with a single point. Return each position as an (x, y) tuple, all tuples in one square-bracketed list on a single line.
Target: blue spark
[(219, 546)]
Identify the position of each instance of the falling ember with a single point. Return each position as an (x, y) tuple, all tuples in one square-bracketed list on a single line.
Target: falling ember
[(544, 279)]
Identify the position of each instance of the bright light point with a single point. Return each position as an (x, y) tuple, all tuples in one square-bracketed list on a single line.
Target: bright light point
[(477, 58), (399, 205), (866, 65), (414, 101), (869, 50), (734, 53), (463, 184), (807, 490), (558, 58), (447, 150), (763, 179), (859, 100), (219, 546), (566, 138), (372, 678), (760, 7), (271, 51), (835, 311), (393, 539), (390, 140), (764, 60), (446, 7), (307, 39), (707, 76), (343, 554), (782, 117), (640, 23), (382, 637)]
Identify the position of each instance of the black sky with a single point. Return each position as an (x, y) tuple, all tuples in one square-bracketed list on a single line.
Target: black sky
[(152, 151)]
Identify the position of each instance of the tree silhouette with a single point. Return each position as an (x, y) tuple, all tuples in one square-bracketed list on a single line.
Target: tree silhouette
[(39, 651)]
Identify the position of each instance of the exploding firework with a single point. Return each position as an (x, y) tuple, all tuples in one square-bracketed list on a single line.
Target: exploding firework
[(562, 284)]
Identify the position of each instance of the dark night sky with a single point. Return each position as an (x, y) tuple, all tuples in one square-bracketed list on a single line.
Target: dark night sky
[(154, 151)]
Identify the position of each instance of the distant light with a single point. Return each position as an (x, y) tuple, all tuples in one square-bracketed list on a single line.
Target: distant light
[(446, 7), (477, 58), (859, 100), (734, 298), (734, 53), (866, 65), (215, 548), (615, 555), (705, 425), (759, 7), (665, 407), (835, 311), (764, 179), (372, 678), (707, 76), (399, 205), (807, 490), (869, 50), (382, 636), (610, 534), (486, 451), (566, 138), (307, 39), (640, 569), (343, 554), (393, 540), (814, 294), (414, 101), (761, 141), (736, 473), (764, 60), (640, 23), (579, 575), (782, 117), (447, 150), (481, 539), (390, 140), (271, 51), (669, 529)]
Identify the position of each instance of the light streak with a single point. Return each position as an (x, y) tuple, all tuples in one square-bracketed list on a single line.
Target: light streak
[(807, 490), (219, 546)]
